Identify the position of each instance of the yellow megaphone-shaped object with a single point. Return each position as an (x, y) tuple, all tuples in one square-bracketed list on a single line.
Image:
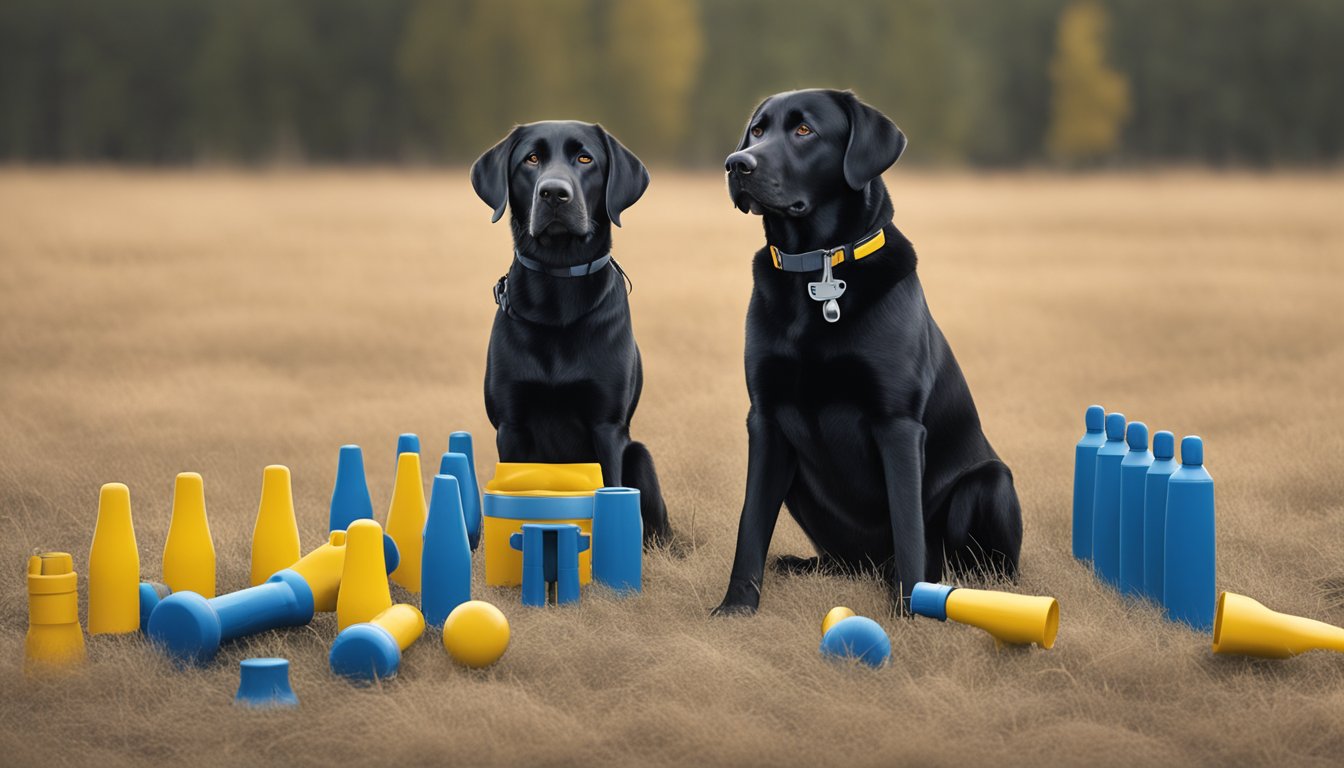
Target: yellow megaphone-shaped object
[(1244, 626), (1011, 619)]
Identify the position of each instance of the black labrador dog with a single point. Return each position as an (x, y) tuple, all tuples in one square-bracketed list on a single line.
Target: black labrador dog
[(861, 421), (563, 374)]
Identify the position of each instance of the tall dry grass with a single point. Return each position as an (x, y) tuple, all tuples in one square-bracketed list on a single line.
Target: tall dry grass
[(157, 323)]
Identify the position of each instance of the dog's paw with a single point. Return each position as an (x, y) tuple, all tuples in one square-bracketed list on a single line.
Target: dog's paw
[(733, 609)]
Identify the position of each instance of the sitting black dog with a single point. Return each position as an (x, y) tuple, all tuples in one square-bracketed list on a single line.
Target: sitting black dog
[(861, 421), (563, 374)]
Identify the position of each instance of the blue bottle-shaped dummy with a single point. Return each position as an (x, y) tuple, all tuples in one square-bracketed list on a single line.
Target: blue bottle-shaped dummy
[(618, 539), (1084, 477), (350, 499), (1133, 478), (1106, 502), (1155, 512), (407, 442), (460, 465), (1189, 563), (445, 571)]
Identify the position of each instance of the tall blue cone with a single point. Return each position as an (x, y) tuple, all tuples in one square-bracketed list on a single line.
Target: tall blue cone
[(408, 442), (1133, 476), (1084, 480), (1189, 581), (1155, 512), (350, 499), (445, 572), (1106, 504), (458, 465)]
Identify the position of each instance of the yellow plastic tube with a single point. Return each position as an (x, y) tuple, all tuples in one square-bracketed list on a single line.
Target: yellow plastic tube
[(54, 636), (275, 536), (363, 591), (406, 520), (114, 566), (189, 552)]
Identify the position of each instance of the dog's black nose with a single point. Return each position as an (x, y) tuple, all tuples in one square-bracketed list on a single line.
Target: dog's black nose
[(742, 162), (555, 191)]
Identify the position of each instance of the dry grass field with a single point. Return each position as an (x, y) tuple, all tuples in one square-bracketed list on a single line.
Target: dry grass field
[(218, 322)]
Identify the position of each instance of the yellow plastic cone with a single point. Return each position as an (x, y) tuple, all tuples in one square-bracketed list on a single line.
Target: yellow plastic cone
[(54, 637), (364, 592), (322, 569), (114, 566), (189, 553), (275, 537), (406, 520)]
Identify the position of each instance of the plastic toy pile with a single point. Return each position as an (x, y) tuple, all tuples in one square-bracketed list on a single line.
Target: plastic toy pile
[(548, 529)]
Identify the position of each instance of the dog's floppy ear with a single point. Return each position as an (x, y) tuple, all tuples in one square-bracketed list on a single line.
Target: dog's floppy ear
[(490, 174), (875, 143), (627, 178)]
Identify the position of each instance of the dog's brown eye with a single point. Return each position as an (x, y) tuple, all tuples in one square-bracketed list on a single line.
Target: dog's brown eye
[(532, 159), (585, 159), (803, 130), (758, 131)]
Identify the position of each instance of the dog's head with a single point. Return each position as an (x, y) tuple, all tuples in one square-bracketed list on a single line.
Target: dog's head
[(561, 178), (801, 148)]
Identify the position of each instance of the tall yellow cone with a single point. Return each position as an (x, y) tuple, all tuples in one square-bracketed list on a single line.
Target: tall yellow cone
[(406, 520), (189, 553), (363, 593), (275, 537), (54, 637), (114, 566)]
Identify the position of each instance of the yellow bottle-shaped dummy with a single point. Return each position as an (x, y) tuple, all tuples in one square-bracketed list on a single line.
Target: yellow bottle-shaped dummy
[(189, 554), (275, 537), (364, 592), (54, 636), (322, 569), (114, 566), (406, 520)]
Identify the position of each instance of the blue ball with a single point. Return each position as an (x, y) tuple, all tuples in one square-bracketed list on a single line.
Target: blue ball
[(858, 637)]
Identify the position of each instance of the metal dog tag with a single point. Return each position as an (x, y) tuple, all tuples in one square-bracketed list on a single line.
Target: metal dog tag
[(827, 291)]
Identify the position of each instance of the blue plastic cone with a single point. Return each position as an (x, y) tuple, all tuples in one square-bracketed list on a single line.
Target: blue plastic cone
[(1106, 505), (1084, 480), (1189, 581), (350, 499), (445, 574), (1133, 476), (1155, 512), (408, 442), (458, 465)]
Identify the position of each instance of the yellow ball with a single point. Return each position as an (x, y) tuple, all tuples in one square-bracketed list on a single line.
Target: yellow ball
[(476, 634), (834, 616)]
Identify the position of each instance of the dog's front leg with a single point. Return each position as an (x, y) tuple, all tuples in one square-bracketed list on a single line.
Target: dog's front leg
[(900, 442), (609, 440), (771, 464)]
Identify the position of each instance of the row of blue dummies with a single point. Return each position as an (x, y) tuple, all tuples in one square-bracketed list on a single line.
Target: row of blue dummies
[(1145, 520)]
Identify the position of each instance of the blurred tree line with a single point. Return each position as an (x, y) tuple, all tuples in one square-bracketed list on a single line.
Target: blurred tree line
[(1255, 82)]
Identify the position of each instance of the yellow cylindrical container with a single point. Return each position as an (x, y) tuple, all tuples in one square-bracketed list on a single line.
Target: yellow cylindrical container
[(322, 569), (406, 520), (114, 566), (54, 636), (189, 552), (534, 493), (363, 592), (275, 536), (403, 622), (1012, 619)]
